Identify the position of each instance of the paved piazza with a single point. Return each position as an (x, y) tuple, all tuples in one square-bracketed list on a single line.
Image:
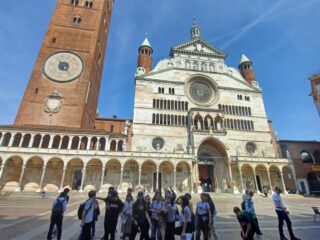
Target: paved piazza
[(28, 218)]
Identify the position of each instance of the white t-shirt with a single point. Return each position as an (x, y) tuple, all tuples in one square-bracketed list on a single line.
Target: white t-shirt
[(277, 198), (203, 208)]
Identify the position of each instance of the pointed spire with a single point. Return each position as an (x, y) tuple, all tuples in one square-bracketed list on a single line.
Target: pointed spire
[(146, 43), (244, 58), (195, 29)]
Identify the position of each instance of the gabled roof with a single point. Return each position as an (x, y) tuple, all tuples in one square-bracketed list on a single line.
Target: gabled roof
[(206, 49)]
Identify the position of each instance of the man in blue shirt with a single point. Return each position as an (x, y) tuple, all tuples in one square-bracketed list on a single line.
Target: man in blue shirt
[(87, 216), (59, 206)]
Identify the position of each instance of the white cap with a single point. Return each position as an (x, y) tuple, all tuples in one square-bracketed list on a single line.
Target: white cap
[(146, 43), (244, 59)]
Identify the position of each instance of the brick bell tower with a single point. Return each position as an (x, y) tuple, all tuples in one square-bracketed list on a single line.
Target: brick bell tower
[(145, 56), (64, 86), (246, 69)]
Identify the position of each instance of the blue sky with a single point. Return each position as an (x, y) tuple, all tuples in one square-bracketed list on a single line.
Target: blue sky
[(281, 37)]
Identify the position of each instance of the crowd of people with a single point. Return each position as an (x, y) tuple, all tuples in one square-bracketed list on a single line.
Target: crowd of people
[(163, 216)]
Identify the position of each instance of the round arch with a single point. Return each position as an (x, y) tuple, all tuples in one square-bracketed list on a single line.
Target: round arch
[(148, 175), (183, 176), (247, 176), (166, 169), (275, 176), (73, 175), (52, 179), (313, 179), (262, 177), (32, 175), (130, 174), (93, 175), (289, 180), (112, 174), (213, 165), (11, 173)]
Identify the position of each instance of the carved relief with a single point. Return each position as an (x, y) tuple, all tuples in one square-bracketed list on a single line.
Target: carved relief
[(53, 102)]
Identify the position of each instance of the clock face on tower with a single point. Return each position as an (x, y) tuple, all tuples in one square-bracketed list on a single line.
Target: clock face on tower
[(63, 66)]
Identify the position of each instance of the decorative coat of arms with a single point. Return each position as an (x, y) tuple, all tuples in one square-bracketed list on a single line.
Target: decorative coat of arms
[(53, 102)]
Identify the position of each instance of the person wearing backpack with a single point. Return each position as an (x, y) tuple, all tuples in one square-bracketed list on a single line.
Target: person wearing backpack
[(87, 217), (204, 217), (96, 213), (59, 206)]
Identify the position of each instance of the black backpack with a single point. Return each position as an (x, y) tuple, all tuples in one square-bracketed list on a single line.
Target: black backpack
[(57, 209), (81, 209)]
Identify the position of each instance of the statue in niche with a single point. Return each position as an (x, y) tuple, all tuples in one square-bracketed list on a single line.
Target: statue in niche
[(198, 125), (219, 124), (209, 123)]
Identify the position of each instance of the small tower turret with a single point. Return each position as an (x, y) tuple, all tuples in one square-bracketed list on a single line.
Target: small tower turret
[(195, 30), (145, 55), (246, 69)]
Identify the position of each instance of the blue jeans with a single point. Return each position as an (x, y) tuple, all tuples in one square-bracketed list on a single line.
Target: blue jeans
[(155, 229)]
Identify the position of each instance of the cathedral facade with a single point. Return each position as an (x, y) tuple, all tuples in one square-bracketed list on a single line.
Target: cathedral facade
[(198, 124)]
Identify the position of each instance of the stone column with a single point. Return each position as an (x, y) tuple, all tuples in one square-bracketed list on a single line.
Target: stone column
[(63, 175), (51, 141), (79, 144), (1, 170), (191, 181), (41, 141), (18, 189), (175, 180), (241, 180), (269, 179), (157, 183), (103, 170), (282, 181), (106, 147), (255, 181), (1, 139), (42, 175), (60, 143), (82, 180), (116, 146), (97, 144), (11, 140), (21, 140), (139, 181), (230, 173), (89, 143), (121, 175), (31, 141), (294, 179), (70, 143)]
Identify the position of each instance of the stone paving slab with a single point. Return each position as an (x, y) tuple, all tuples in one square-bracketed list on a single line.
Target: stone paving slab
[(28, 218)]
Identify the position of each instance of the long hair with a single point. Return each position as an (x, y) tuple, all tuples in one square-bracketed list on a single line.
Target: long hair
[(211, 203), (184, 203)]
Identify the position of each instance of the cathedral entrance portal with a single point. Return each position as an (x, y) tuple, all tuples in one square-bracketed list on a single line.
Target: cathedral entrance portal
[(212, 166)]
